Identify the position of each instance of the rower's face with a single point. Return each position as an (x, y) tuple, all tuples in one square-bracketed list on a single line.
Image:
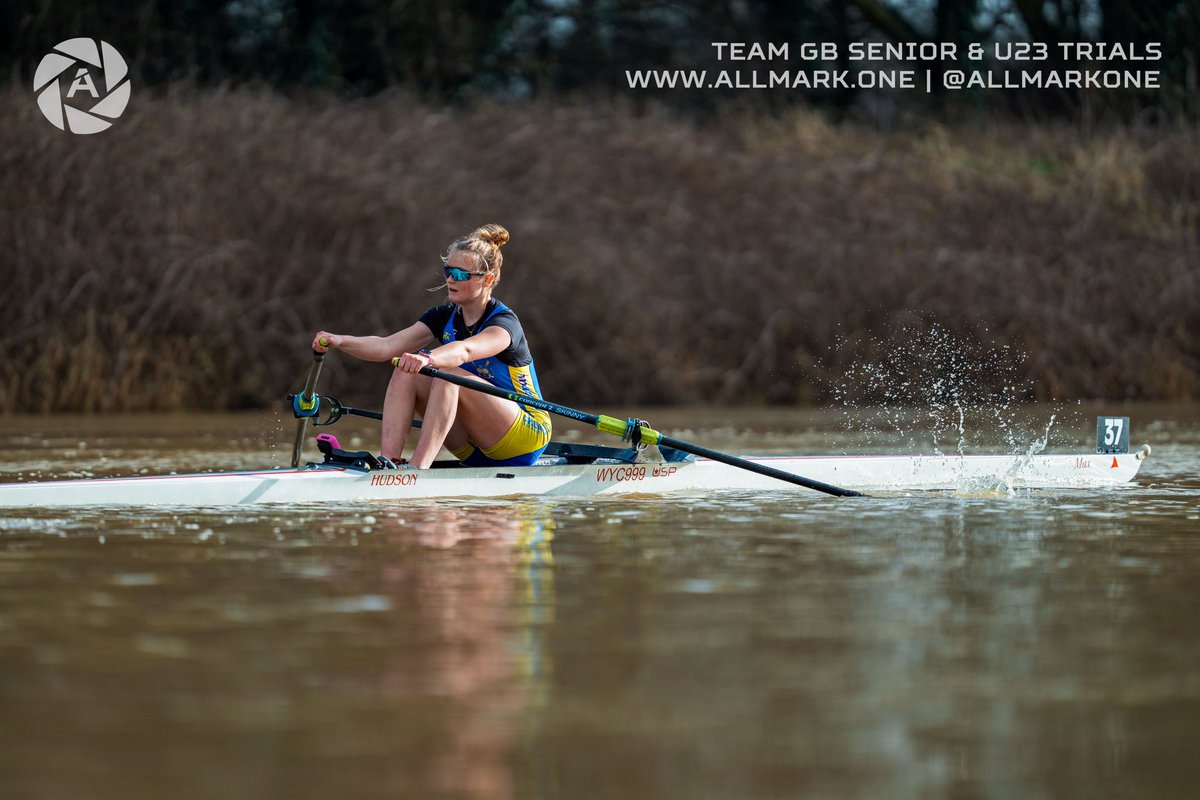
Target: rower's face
[(471, 288)]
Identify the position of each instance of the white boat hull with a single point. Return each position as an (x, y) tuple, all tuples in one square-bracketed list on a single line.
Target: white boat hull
[(322, 483)]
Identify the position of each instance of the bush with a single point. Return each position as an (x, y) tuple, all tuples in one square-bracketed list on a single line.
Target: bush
[(184, 258)]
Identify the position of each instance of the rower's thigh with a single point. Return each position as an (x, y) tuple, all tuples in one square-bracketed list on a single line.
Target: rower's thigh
[(484, 417)]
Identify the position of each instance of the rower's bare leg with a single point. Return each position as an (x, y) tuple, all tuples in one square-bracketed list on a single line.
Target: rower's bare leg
[(441, 410), (454, 417), (406, 394)]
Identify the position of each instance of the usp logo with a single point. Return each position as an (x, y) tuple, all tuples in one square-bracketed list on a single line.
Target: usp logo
[(96, 81)]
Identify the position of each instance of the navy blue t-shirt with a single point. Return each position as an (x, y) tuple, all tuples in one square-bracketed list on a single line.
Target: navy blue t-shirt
[(515, 355)]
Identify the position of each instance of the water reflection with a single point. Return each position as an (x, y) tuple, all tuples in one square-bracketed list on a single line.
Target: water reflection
[(465, 662), (403, 646), (480, 617)]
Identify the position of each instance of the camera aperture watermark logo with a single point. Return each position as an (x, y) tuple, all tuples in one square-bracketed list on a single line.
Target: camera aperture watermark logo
[(82, 85)]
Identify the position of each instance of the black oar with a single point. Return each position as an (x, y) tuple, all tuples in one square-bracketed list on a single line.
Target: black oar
[(628, 429), (305, 405)]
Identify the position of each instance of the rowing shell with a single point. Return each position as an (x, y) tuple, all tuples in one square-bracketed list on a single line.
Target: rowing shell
[(340, 483)]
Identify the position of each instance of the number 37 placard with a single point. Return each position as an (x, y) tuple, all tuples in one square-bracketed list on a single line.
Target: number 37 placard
[(1112, 434)]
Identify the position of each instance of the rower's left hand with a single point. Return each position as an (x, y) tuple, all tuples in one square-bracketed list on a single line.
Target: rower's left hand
[(413, 362)]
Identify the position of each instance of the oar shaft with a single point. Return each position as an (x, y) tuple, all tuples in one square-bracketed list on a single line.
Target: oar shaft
[(619, 427), (754, 466), (314, 372), (516, 397), (305, 401)]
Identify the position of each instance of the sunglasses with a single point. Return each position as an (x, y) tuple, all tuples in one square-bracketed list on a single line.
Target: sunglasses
[(455, 274)]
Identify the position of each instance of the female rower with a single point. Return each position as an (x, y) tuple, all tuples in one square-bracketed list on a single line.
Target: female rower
[(475, 336)]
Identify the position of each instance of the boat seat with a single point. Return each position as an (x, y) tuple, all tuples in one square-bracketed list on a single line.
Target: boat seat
[(353, 459)]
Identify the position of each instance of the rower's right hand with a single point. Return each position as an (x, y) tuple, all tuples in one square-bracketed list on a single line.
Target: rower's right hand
[(324, 341), (412, 362)]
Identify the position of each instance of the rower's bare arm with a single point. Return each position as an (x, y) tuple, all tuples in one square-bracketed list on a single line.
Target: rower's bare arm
[(376, 348), (486, 343)]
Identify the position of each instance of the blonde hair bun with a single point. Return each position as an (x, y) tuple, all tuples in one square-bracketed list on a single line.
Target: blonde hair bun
[(493, 234)]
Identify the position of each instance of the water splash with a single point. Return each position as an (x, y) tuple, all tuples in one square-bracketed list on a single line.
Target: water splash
[(1038, 445), (925, 388)]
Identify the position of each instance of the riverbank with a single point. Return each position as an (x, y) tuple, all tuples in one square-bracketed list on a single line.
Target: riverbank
[(183, 259)]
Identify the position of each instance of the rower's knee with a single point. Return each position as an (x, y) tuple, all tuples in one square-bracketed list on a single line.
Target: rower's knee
[(410, 377), (408, 382)]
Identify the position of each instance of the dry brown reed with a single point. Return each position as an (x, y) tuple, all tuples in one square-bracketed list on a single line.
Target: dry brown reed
[(184, 258)]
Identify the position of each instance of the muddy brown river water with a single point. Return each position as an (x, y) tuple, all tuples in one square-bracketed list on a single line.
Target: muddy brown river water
[(725, 645)]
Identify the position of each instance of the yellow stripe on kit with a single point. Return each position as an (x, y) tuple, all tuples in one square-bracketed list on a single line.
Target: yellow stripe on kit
[(522, 381), (526, 435)]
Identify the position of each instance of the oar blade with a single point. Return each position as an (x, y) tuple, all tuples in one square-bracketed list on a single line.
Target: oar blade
[(298, 447)]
